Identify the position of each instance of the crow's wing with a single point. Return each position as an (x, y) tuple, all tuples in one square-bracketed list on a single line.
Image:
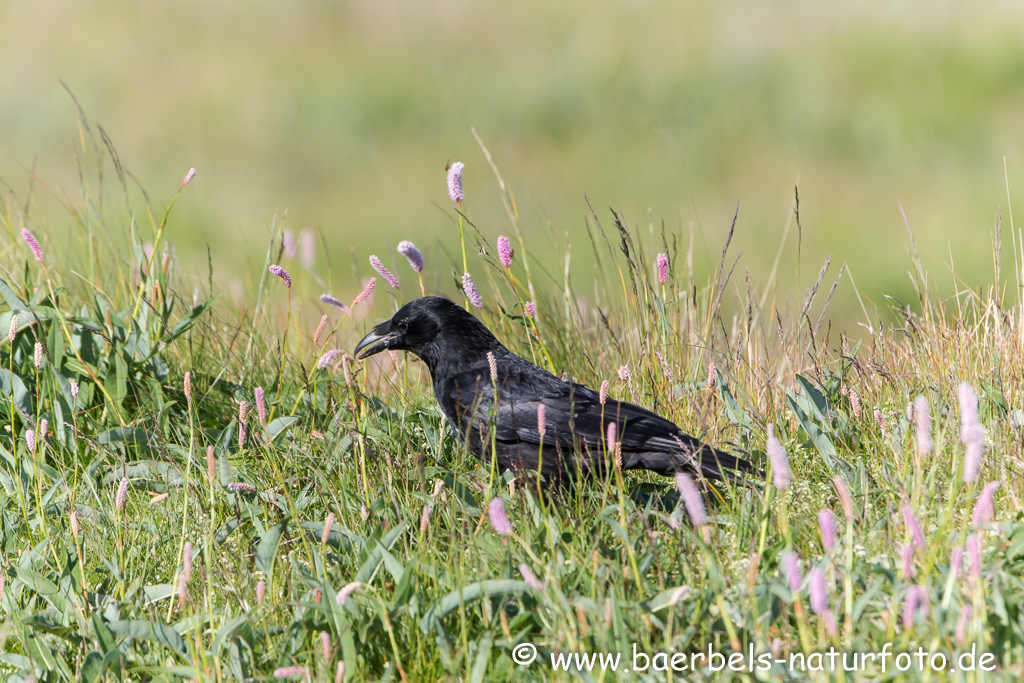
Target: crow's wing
[(576, 420)]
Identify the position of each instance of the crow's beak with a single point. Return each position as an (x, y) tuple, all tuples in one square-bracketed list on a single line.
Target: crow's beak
[(373, 343)]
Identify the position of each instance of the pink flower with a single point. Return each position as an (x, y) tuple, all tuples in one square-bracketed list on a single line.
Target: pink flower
[(624, 373), (791, 567), (425, 518), (984, 509), (472, 293), (188, 387), (881, 422), (602, 395), (328, 358), (854, 403), (243, 409), (412, 254), (289, 671), (241, 486), (961, 624), (531, 309), (182, 590), (455, 182), (530, 578), (288, 243), (210, 464), (38, 357), (320, 329), (504, 251), (922, 413), (610, 441), (74, 388), (492, 365), (328, 523), (261, 591), (829, 617), (44, 427), (712, 375), (32, 244), (325, 644), (367, 291), (307, 249), (910, 519), (30, 439), (188, 177), (328, 299), (281, 273), (339, 677), (74, 523), (692, 499), (242, 432), (342, 597), (827, 524), (122, 491), (541, 420), (662, 268), (779, 460), (819, 592), (972, 434), (261, 404), (383, 272), (13, 331), (496, 512)]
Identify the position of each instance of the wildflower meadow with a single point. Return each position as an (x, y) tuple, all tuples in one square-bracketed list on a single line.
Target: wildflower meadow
[(203, 486)]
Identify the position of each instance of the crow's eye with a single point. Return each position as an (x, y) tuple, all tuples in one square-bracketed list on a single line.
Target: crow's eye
[(403, 325)]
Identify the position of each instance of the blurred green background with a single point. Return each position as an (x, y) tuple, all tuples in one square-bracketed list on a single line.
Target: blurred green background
[(343, 114)]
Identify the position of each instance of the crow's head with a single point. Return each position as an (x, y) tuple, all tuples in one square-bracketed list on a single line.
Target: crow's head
[(437, 330)]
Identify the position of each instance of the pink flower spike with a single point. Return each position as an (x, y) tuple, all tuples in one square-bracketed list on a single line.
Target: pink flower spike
[(32, 244), (261, 404), (499, 520), (819, 592), (692, 499), (827, 524), (712, 375), (504, 251), (367, 291), (923, 418), (531, 309), (383, 272), (910, 519), (325, 644), (288, 243), (779, 460), (610, 437), (472, 293), (30, 439), (791, 568), (624, 373), (854, 403), (122, 491), (910, 607), (962, 623), (289, 671), (328, 299), (281, 273), (241, 486), (602, 395), (530, 578), (412, 254), (261, 591), (455, 182), (38, 356), (188, 177), (328, 358), (307, 249), (348, 589), (12, 332), (662, 268), (984, 509), (44, 427), (908, 561), (541, 420), (956, 562)]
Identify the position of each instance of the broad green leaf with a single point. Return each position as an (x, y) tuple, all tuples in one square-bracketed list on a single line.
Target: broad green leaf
[(266, 551), (467, 594), (151, 630)]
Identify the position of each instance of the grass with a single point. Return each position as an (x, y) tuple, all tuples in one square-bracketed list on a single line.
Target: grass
[(352, 484)]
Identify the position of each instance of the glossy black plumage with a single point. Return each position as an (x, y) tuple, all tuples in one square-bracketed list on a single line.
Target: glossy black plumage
[(454, 345)]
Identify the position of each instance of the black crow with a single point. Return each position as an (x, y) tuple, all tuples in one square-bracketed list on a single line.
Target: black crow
[(455, 347)]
